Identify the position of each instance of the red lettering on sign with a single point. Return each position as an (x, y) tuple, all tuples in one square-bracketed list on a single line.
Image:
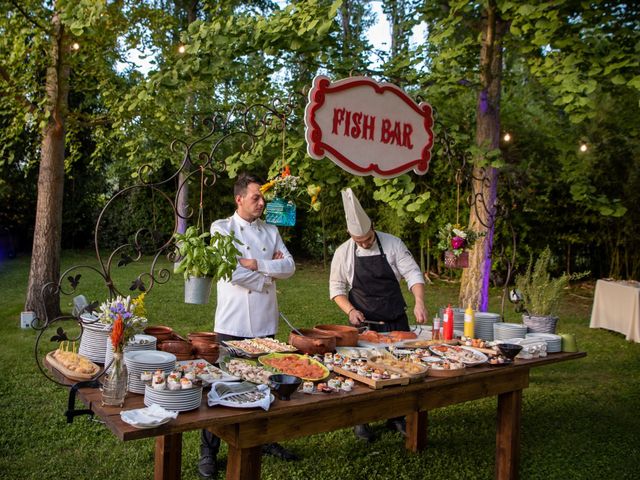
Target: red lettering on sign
[(356, 124), (399, 134)]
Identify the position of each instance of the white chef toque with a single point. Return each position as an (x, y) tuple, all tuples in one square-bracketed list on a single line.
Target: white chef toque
[(358, 222)]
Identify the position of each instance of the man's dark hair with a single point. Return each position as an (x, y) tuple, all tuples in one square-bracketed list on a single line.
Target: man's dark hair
[(243, 181)]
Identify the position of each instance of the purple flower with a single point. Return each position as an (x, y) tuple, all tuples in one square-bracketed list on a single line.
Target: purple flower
[(457, 242)]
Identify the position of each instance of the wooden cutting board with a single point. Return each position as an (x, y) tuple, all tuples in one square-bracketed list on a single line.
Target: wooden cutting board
[(70, 373)]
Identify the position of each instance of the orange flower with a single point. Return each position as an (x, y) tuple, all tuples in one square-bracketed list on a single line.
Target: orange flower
[(287, 171), (117, 333)]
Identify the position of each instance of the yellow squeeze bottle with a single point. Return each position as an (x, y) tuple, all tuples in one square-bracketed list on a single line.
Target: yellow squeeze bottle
[(469, 322)]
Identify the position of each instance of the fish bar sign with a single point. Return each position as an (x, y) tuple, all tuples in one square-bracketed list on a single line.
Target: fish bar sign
[(368, 128)]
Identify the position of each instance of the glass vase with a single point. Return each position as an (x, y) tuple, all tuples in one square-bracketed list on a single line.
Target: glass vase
[(116, 382)]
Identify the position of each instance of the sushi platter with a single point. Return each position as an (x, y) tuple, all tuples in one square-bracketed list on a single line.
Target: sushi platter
[(467, 355), (375, 382)]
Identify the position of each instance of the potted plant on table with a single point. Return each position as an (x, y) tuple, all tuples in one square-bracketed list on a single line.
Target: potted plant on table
[(204, 258), (456, 243), (536, 294)]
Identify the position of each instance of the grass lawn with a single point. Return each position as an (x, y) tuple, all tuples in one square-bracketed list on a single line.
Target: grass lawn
[(580, 418)]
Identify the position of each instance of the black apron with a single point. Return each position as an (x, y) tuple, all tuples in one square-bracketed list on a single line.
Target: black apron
[(376, 292)]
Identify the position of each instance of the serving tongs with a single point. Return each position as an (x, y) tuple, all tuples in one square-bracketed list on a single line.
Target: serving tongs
[(291, 326)]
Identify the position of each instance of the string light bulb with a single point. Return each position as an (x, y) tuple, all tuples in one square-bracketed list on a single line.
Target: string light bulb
[(182, 49), (75, 46), (507, 137), (583, 147)]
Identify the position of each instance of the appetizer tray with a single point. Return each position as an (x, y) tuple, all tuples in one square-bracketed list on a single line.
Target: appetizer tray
[(245, 369), (301, 366), (205, 371), (467, 355), (254, 347), (68, 368), (437, 371), (412, 370), (375, 384)]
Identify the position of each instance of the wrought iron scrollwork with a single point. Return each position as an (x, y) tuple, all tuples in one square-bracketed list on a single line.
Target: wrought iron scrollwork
[(199, 164)]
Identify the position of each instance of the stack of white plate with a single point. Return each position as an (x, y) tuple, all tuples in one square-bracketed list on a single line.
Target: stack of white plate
[(483, 325), (93, 343), (138, 342), (554, 342), (505, 331), (149, 361), (176, 400)]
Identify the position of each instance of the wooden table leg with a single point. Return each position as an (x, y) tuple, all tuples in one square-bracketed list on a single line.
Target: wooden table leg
[(417, 423), (508, 435), (244, 463), (168, 461)]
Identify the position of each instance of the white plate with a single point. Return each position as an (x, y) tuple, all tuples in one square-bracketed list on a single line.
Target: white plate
[(138, 418), (481, 357), (147, 357)]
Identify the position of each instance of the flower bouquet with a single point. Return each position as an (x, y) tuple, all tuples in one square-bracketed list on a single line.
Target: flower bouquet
[(126, 318), (281, 193), (456, 242)]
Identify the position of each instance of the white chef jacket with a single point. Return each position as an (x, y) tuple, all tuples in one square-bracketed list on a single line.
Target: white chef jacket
[(247, 305), (398, 256)]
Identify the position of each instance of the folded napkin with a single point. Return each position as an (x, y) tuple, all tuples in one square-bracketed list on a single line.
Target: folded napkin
[(153, 414), (239, 395)]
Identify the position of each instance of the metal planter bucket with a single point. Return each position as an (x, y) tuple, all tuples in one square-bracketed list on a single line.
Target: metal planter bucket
[(451, 261), (281, 213), (197, 290)]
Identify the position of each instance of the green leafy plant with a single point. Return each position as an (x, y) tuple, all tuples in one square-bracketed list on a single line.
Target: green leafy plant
[(206, 255), (536, 289)]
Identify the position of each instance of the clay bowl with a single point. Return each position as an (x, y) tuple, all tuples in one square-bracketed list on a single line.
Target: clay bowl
[(209, 352), (509, 350), (160, 332), (284, 385), (345, 336), (311, 341), (203, 336), (177, 347)]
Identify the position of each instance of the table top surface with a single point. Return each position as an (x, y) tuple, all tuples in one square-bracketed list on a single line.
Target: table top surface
[(299, 402)]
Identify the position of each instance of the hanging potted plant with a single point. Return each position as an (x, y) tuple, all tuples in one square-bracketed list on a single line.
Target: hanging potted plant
[(456, 243), (204, 258), (537, 294), (280, 194)]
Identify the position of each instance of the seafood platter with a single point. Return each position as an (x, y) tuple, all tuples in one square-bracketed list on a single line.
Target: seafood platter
[(254, 347), (380, 371), (301, 366), (462, 354), (204, 371)]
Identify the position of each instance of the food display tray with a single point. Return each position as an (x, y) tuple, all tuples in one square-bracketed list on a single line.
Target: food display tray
[(53, 361), (375, 384)]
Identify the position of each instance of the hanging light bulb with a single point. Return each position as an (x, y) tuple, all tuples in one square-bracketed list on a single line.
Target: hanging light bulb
[(507, 137), (583, 147), (75, 46), (182, 49)]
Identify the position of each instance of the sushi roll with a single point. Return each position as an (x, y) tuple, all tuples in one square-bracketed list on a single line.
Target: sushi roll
[(173, 384), (346, 387), (190, 375), (146, 377), (185, 383), (158, 382), (307, 387)]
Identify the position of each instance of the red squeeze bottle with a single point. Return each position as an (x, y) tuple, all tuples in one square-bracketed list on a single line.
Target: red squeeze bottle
[(448, 323)]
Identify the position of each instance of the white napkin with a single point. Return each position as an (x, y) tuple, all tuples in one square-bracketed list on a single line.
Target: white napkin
[(153, 414), (216, 398)]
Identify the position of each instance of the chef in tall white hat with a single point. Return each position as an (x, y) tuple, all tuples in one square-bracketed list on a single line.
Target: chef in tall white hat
[(366, 271)]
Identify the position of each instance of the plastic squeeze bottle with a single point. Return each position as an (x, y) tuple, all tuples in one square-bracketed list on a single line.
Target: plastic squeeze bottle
[(469, 322), (448, 323)]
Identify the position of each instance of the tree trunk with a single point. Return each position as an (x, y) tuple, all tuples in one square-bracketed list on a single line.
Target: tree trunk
[(474, 288), (45, 256)]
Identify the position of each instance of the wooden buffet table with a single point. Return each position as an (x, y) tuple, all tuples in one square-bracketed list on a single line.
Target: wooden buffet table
[(245, 430)]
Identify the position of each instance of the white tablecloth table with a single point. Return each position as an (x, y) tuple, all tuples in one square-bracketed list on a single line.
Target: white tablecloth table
[(616, 306)]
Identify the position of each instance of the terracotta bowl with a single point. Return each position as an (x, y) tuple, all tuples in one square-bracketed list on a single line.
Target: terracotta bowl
[(203, 336), (345, 336), (183, 356), (160, 332), (311, 341), (208, 353), (177, 347)]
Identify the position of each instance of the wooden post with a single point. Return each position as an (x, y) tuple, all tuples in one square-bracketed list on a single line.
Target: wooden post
[(417, 423), (508, 435), (244, 463), (168, 461)]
